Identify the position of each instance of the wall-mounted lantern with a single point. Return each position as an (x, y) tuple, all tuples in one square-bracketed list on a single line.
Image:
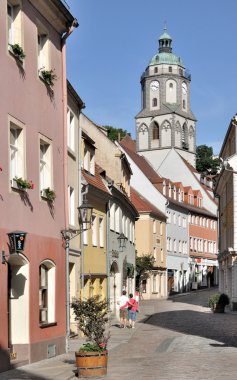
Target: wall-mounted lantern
[(85, 215), (122, 241)]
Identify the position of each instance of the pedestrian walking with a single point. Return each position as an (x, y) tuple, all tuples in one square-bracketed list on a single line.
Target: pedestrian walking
[(132, 311), (123, 309)]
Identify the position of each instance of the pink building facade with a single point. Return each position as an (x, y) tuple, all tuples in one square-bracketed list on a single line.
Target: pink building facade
[(33, 132)]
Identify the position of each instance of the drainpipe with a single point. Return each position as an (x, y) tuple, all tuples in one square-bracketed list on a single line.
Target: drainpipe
[(64, 90), (107, 251)]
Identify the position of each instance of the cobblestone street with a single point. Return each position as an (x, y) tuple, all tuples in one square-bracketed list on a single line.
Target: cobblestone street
[(183, 339), (179, 338)]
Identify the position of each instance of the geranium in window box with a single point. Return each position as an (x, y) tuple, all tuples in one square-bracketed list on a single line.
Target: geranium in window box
[(17, 51), (49, 194), (22, 184), (48, 77)]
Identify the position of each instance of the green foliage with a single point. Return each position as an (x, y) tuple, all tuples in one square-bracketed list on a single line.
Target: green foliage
[(205, 163), (49, 77), (50, 194), (116, 133), (218, 299), (144, 263), (23, 183), (91, 347), (18, 51), (92, 316)]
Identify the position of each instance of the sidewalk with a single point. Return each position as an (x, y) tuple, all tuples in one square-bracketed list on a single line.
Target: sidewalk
[(62, 367)]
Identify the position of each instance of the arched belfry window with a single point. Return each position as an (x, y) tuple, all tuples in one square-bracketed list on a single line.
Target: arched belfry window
[(184, 136), (155, 131), (154, 102)]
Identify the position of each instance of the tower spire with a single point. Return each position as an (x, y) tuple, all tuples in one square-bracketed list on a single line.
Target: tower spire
[(165, 41)]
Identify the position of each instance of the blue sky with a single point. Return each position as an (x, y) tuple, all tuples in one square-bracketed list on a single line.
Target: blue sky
[(115, 40)]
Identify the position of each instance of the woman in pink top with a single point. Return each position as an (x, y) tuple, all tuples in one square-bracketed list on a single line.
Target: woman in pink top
[(132, 310)]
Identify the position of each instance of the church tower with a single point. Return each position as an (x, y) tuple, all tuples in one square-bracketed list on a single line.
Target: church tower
[(165, 120)]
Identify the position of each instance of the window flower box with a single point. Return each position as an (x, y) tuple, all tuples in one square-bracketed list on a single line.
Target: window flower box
[(17, 51), (22, 184), (48, 77), (48, 194)]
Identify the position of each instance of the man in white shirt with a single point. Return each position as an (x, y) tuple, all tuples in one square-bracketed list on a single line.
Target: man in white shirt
[(123, 309)]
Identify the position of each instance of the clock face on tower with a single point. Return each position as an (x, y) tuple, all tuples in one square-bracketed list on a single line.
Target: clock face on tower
[(154, 85), (184, 88)]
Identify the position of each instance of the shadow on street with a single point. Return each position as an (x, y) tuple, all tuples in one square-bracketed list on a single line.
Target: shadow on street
[(218, 327)]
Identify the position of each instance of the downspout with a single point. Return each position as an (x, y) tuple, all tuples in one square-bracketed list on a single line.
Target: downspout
[(107, 251), (64, 90)]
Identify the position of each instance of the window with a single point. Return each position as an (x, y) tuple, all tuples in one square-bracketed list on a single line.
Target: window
[(46, 293), (161, 228), (171, 86), (71, 205), (180, 246), (154, 252), (154, 226), (70, 130), (154, 290), (168, 216), (184, 104), (131, 232), (170, 69), (155, 132), (43, 53), (175, 245), (117, 212), (205, 246), (45, 165), (89, 159), (184, 222), (162, 255), (101, 231), (112, 216), (199, 202), (94, 230), (179, 220), (126, 227), (193, 219), (17, 151), (154, 102), (200, 221), (174, 218), (191, 243), (14, 23), (174, 192), (156, 70)]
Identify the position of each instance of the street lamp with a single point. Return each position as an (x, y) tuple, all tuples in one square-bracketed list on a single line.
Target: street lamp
[(85, 219), (122, 241)]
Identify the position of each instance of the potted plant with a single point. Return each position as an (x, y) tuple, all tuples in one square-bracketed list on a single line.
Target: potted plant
[(23, 184), (218, 302), (17, 50), (49, 194), (92, 316), (48, 76)]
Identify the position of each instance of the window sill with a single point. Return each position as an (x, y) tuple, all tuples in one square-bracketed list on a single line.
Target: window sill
[(20, 60), (50, 324), (154, 292), (15, 186), (72, 153)]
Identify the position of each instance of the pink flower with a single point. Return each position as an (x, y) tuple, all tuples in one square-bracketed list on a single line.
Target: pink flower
[(102, 345)]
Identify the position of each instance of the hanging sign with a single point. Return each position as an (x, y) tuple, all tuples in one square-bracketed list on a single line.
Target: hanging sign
[(17, 240)]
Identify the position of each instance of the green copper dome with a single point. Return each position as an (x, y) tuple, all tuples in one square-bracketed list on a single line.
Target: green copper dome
[(168, 58), (165, 54)]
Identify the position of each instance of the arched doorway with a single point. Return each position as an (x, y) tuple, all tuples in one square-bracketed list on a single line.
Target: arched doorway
[(18, 304), (115, 285)]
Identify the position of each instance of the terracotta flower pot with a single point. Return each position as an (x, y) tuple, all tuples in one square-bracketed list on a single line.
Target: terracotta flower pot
[(91, 364)]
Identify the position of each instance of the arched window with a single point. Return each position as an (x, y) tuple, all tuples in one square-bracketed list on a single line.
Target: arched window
[(171, 86), (184, 136), (156, 70), (155, 131), (154, 102), (46, 292)]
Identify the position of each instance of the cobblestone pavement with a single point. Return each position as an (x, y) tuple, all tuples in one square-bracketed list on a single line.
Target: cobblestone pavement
[(179, 338)]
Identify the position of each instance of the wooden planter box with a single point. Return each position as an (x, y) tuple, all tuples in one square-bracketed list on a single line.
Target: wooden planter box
[(91, 364)]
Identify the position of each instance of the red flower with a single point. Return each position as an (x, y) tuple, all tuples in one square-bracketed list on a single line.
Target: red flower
[(0, 169), (102, 345), (32, 185)]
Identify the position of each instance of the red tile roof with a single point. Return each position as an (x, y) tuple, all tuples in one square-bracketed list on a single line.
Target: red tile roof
[(128, 143), (95, 180), (143, 205), (142, 163)]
